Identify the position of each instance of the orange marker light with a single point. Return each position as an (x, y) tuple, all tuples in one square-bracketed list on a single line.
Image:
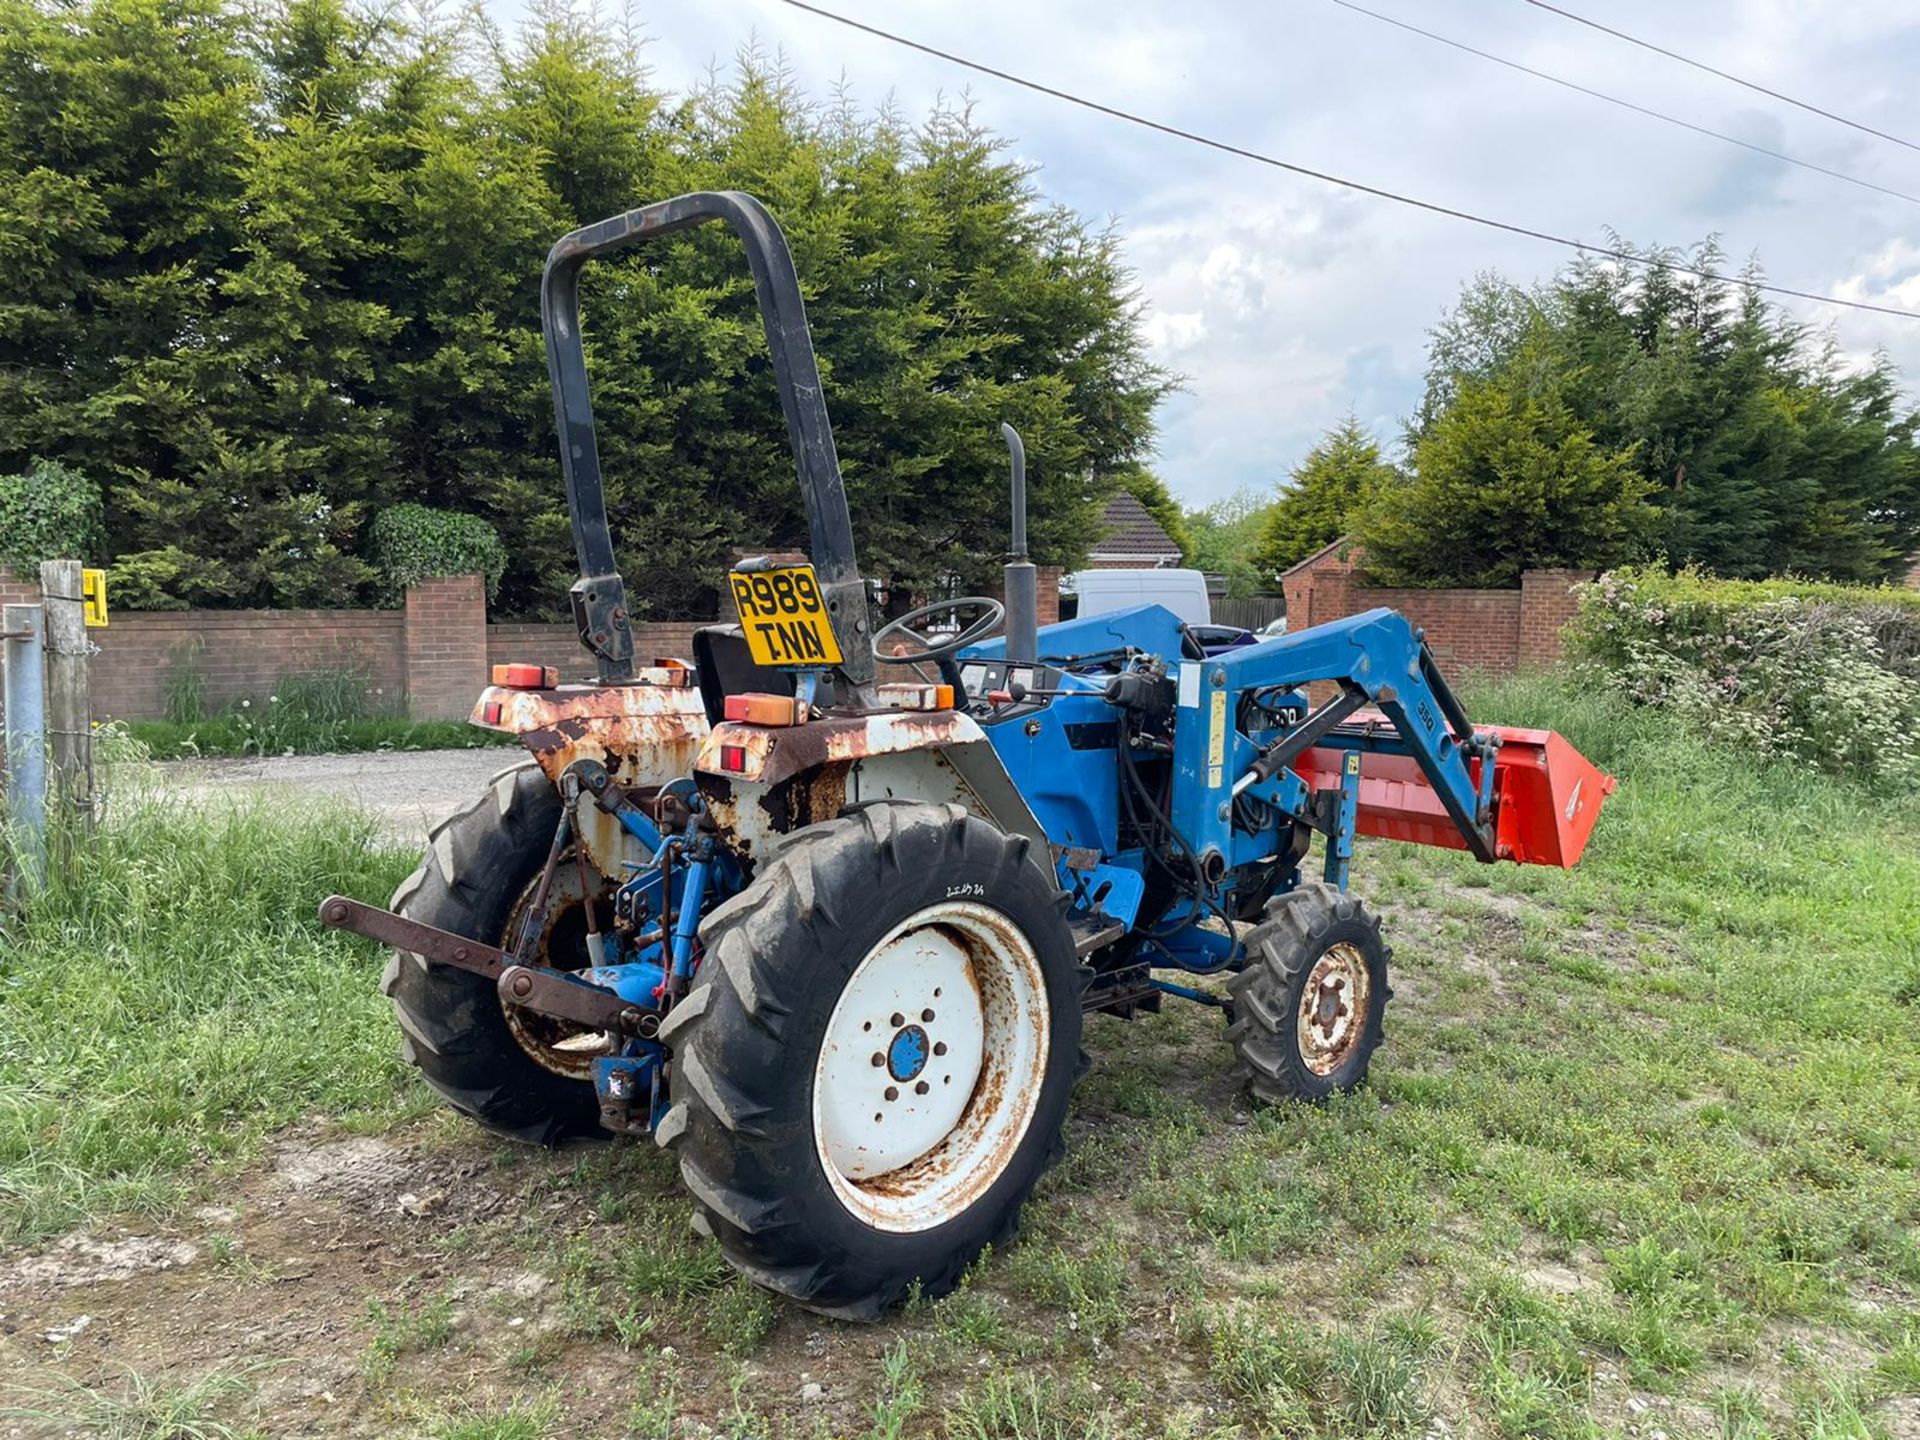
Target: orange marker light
[(754, 708), (525, 677)]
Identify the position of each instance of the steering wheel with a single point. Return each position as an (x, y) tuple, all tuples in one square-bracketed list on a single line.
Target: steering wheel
[(941, 652)]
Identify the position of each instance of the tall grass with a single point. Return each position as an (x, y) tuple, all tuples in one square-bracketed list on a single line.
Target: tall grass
[(170, 997)]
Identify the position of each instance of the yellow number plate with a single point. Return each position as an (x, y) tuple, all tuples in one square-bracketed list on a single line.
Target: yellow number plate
[(784, 617)]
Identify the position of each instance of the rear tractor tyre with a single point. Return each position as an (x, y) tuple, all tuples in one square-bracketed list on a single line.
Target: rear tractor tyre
[(1308, 1007), (872, 1069), (521, 1077)]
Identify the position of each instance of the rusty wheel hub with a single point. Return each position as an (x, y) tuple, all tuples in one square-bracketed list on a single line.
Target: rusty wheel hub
[(562, 1046), (1333, 1009)]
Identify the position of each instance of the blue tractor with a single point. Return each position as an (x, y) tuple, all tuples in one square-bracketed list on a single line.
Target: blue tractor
[(829, 937)]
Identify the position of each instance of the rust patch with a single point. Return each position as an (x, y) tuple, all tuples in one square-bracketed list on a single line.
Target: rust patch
[(771, 754), (645, 734)]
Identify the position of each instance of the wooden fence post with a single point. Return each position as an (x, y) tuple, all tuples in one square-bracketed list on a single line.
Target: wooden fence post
[(69, 705)]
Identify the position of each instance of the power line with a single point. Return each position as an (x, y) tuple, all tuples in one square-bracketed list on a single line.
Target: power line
[(1624, 104), (1603, 251), (1702, 65)]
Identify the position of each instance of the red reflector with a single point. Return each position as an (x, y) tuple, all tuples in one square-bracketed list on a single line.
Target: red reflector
[(491, 712), (733, 757)]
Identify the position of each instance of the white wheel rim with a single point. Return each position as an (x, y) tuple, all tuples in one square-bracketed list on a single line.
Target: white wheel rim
[(953, 1006)]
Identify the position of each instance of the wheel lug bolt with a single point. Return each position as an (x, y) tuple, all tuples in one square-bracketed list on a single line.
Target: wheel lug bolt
[(893, 1092), (898, 1018), (926, 1017), (878, 1059), (939, 1047), (922, 1088)]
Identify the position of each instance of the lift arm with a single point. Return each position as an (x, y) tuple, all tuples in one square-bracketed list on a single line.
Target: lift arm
[(1392, 742)]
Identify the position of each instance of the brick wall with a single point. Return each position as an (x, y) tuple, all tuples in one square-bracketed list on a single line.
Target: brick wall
[(1047, 582), (559, 646), (1547, 603), (1496, 630), (241, 654), (15, 591), (430, 657)]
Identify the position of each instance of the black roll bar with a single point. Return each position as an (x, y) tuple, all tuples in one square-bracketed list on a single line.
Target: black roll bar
[(599, 596)]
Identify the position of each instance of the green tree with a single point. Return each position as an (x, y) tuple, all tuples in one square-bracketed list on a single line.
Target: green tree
[(1505, 480), (273, 270), (1764, 452), (1323, 495), (1226, 536)]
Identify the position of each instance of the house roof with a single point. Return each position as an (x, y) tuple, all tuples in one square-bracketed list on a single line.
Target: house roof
[(1132, 531)]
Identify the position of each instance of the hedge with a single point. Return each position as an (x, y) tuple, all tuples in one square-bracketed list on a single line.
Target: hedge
[(410, 543), (1828, 674), (49, 512)]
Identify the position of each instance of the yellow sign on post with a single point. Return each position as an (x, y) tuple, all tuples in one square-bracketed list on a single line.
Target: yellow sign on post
[(93, 598)]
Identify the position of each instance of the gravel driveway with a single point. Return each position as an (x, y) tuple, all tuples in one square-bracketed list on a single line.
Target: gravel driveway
[(407, 789)]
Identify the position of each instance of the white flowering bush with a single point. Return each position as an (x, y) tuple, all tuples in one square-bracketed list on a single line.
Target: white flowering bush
[(1828, 674)]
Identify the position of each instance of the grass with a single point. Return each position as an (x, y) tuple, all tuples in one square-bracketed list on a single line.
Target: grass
[(134, 1406), (1642, 1150), (231, 735), (171, 998), (324, 711)]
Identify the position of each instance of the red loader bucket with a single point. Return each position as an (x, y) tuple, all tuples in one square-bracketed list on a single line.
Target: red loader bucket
[(1546, 794)]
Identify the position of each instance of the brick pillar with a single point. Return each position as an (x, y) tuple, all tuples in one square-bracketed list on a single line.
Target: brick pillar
[(446, 646), (1332, 596), (1546, 605), (1046, 584)]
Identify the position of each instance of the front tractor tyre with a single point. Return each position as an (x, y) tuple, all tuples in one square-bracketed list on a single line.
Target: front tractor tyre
[(518, 1073), (1307, 1008), (873, 1067)]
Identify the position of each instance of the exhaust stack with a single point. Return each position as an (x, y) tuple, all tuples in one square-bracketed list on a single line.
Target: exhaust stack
[(1023, 601)]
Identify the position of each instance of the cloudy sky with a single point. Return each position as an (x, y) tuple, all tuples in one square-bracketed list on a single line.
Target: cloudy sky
[(1285, 302)]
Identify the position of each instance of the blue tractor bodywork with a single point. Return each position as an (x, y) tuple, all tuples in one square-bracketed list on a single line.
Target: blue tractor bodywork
[(1094, 755), (1164, 799)]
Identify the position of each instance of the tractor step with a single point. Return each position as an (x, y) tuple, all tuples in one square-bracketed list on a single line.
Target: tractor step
[(1094, 932)]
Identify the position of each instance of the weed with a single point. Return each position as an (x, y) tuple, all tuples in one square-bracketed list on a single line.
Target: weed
[(402, 1329), (901, 1394), (141, 1407), (1290, 1377), (1028, 1407), (524, 1421), (1091, 1282), (652, 1416), (185, 685), (968, 1318), (739, 1317), (234, 733)]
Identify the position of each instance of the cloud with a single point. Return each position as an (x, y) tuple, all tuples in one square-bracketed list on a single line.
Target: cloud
[(1286, 302)]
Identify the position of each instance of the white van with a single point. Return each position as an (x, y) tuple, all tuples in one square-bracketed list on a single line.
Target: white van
[(1100, 592)]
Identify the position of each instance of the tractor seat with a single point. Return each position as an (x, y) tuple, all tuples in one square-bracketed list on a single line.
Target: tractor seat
[(724, 666)]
